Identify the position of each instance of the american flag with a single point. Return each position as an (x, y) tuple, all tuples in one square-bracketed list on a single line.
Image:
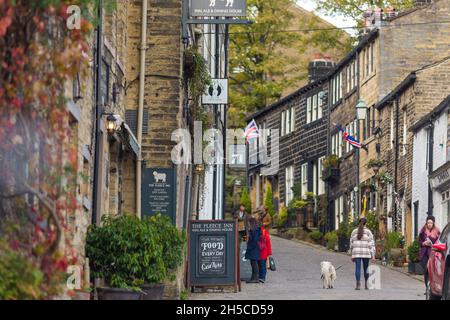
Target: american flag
[(251, 131), (350, 139)]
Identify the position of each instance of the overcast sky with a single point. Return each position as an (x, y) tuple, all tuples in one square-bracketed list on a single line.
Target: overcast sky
[(337, 20)]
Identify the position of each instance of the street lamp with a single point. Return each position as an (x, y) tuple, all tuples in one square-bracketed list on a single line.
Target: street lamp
[(361, 110), (112, 125)]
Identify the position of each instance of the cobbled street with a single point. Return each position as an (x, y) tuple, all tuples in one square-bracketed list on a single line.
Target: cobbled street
[(298, 277)]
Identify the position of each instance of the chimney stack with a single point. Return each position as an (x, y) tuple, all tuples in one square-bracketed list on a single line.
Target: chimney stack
[(319, 67)]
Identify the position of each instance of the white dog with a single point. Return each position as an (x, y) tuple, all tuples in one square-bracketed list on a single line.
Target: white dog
[(328, 274)]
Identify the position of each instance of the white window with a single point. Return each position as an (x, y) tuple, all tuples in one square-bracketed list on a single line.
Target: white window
[(308, 110), (404, 132), (287, 121), (368, 60), (336, 144), (289, 184), (391, 134), (336, 84), (314, 116), (320, 107), (321, 182), (339, 211), (304, 179), (292, 119)]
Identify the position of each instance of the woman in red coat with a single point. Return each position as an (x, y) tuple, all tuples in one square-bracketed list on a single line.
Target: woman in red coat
[(265, 250)]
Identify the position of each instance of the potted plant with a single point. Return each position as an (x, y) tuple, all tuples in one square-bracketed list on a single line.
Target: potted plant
[(173, 245), (331, 240), (414, 265), (384, 178), (330, 170), (367, 186), (343, 234), (375, 165), (126, 253), (316, 236), (396, 253)]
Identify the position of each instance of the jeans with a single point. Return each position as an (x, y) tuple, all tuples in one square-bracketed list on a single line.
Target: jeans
[(262, 269), (255, 269), (424, 263), (365, 262)]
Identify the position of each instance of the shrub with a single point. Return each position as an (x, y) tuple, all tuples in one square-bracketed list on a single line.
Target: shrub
[(372, 221), (393, 240), (268, 201), (125, 252), (281, 218), (20, 278), (345, 229), (245, 200), (332, 239), (413, 251), (316, 235), (172, 240)]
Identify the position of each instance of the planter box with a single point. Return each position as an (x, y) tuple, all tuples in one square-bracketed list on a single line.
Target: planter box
[(331, 174), (343, 244), (415, 268), (82, 295), (153, 291), (117, 294)]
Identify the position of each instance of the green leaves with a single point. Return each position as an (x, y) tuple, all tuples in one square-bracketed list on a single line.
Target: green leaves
[(355, 8), (128, 252)]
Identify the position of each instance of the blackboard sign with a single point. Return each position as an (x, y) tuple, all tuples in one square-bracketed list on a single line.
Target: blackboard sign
[(213, 255), (159, 192), (245, 266)]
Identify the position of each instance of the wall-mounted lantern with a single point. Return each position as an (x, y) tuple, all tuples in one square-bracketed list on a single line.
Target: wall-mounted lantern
[(112, 124), (361, 110)]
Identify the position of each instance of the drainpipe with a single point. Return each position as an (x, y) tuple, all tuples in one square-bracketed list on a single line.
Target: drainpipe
[(430, 166), (98, 114), (140, 116), (396, 166)]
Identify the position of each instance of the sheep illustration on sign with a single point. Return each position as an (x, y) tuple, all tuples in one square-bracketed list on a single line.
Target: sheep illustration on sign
[(159, 177), (229, 3), (217, 92)]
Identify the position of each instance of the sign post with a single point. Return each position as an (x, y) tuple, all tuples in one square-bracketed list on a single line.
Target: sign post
[(213, 254)]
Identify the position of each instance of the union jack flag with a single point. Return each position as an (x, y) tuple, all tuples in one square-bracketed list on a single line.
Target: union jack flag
[(350, 139), (251, 131)]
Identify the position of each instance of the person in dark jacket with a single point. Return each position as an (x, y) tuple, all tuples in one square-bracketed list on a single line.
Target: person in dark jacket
[(252, 253), (427, 237)]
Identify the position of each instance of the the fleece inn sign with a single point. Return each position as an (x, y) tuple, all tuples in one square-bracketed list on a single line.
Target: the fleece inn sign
[(212, 253), (218, 8), (158, 192)]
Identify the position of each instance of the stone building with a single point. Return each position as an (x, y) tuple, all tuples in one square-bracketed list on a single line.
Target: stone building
[(401, 110), (122, 150), (430, 177), (293, 136), (392, 47)]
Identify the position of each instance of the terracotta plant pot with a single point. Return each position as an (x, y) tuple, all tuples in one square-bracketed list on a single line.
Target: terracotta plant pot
[(118, 294)]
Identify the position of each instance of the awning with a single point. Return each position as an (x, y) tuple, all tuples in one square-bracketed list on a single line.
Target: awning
[(440, 178), (130, 140)]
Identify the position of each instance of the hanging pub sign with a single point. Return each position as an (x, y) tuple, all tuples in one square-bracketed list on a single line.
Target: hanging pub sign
[(213, 254), (158, 192), (216, 93), (218, 8)]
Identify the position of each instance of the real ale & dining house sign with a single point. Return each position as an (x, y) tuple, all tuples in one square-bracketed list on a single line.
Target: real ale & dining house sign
[(218, 8), (213, 253)]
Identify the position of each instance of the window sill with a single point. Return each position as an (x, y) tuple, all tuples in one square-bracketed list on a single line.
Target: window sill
[(313, 123), (368, 78), (349, 94), (336, 104)]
